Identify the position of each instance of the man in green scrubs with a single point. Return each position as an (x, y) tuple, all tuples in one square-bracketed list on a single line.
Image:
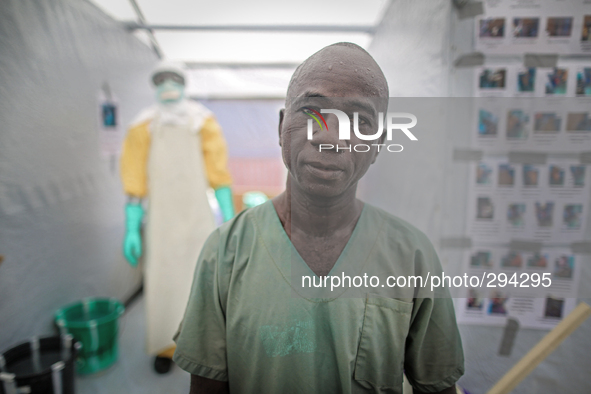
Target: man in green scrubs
[(254, 325)]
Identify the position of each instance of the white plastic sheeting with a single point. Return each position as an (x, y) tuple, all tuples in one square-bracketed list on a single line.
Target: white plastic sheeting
[(61, 205)]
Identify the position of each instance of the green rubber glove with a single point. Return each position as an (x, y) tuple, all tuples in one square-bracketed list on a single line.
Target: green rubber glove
[(224, 197), (132, 245)]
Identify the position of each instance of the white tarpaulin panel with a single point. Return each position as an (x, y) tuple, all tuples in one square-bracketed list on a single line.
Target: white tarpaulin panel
[(61, 204)]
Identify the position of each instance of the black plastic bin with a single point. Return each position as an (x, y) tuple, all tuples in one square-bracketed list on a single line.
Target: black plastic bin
[(49, 370)]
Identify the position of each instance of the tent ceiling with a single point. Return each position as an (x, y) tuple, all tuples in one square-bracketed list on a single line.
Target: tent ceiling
[(235, 46), (261, 12), (247, 47)]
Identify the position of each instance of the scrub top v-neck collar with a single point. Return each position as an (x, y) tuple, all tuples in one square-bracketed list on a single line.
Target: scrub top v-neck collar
[(286, 258)]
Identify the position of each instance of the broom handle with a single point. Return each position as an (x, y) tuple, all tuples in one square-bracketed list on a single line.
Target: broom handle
[(542, 350)]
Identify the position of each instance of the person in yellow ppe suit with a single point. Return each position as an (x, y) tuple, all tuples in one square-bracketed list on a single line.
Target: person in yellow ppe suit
[(172, 153)]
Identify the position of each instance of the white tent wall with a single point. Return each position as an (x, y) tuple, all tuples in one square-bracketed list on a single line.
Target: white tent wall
[(61, 204)]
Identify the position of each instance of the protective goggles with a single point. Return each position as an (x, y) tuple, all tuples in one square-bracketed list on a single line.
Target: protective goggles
[(160, 78)]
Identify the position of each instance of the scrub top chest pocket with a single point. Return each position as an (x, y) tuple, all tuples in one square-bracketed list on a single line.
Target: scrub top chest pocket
[(380, 358)]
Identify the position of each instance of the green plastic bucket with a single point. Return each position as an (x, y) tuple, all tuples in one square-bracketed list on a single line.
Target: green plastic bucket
[(94, 323)]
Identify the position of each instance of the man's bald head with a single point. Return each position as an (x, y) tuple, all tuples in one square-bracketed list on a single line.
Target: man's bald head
[(344, 61)]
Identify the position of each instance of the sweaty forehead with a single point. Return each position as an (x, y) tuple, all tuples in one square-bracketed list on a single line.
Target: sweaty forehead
[(339, 71)]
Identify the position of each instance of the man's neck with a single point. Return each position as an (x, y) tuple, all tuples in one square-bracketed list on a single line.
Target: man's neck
[(317, 216)]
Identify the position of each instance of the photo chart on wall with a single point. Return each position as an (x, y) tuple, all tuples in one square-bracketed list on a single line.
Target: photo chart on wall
[(545, 113), (534, 26), (537, 288)]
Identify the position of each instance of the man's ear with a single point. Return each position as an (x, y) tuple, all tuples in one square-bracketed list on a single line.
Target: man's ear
[(281, 114), (380, 141)]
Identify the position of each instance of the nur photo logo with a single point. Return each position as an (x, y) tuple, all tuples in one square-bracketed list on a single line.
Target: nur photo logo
[(391, 119)]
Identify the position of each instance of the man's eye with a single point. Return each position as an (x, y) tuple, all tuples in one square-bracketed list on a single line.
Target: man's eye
[(361, 121), (307, 110)]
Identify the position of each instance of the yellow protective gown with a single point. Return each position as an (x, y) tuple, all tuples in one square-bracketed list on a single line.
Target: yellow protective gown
[(171, 155)]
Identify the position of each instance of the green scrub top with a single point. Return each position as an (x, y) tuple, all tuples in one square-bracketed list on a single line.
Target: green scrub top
[(248, 320)]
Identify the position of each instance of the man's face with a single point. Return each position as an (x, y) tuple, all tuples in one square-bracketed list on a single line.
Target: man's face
[(339, 78)]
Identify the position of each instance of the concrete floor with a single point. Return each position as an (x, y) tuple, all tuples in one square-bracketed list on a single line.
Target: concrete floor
[(133, 373)]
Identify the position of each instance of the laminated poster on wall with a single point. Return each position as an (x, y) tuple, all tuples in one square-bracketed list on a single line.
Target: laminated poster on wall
[(534, 26), (537, 288)]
